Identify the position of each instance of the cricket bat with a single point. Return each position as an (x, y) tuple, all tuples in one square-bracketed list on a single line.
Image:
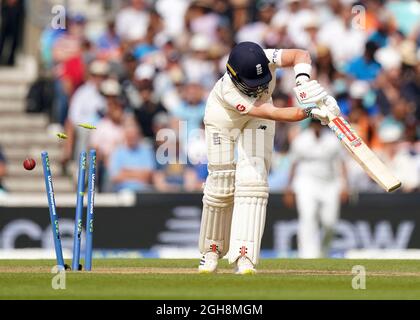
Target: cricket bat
[(360, 152)]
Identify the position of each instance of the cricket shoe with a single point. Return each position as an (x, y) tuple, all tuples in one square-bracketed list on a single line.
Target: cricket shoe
[(245, 266), (208, 263)]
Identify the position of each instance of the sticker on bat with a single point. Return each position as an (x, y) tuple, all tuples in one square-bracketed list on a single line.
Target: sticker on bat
[(339, 135), (345, 129), (356, 143)]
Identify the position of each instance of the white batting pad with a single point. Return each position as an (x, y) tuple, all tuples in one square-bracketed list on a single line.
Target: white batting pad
[(251, 196), (217, 212)]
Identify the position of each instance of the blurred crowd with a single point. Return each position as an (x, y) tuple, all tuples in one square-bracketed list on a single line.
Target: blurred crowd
[(155, 62)]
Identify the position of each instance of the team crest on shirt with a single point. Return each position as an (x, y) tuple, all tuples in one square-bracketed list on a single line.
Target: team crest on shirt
[(259, 69), (302, 95)]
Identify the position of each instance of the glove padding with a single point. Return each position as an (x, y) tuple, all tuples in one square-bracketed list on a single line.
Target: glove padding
[(310, 92), (327, 106), (331, 105)]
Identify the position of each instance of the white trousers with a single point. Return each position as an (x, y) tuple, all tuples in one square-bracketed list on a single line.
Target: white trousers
[(318, 205)]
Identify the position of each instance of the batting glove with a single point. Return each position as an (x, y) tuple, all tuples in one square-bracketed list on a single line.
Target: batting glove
[(319, 114), (326, 109), (330, 104), (310, 92)]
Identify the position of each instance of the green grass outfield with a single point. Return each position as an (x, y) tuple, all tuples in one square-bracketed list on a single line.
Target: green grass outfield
[(177, 279)]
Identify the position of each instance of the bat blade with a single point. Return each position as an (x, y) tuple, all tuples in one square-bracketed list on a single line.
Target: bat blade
[(360, 152)]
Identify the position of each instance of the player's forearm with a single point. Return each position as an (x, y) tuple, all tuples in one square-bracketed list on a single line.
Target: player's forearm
[(302, 56), (270, 112), (292, 114), (301, 62), (292, 57)]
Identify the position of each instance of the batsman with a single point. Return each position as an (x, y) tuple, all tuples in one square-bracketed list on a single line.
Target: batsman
[(239, 124)]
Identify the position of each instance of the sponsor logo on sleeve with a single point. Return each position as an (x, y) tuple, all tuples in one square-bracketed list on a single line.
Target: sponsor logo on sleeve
[(240, 108), (275, 55)]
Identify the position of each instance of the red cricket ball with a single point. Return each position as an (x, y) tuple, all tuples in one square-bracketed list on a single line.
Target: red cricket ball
[(29, 164)]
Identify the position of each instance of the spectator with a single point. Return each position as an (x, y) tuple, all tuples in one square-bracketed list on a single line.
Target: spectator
[(49, 37), (201, 19), (388, 83), (149, 107), (132, 164), (309, 38), (279, 172), (132, 21), (257, 31), (365, 67), (12, 14), (344, 41), (400, 115), (109, 129), (127, 79), (197, 65), (357, 113), (128, 67), (86, 105), (290, 15), (2, 171), (173, 15), (89, 53), (410, 87), (386, 26), (69, 65), (109, 44), (170, 173), (398, 158), (167, 81), (360, 93), (190, 111), (155, 28), (279, 33), (326, 72)]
